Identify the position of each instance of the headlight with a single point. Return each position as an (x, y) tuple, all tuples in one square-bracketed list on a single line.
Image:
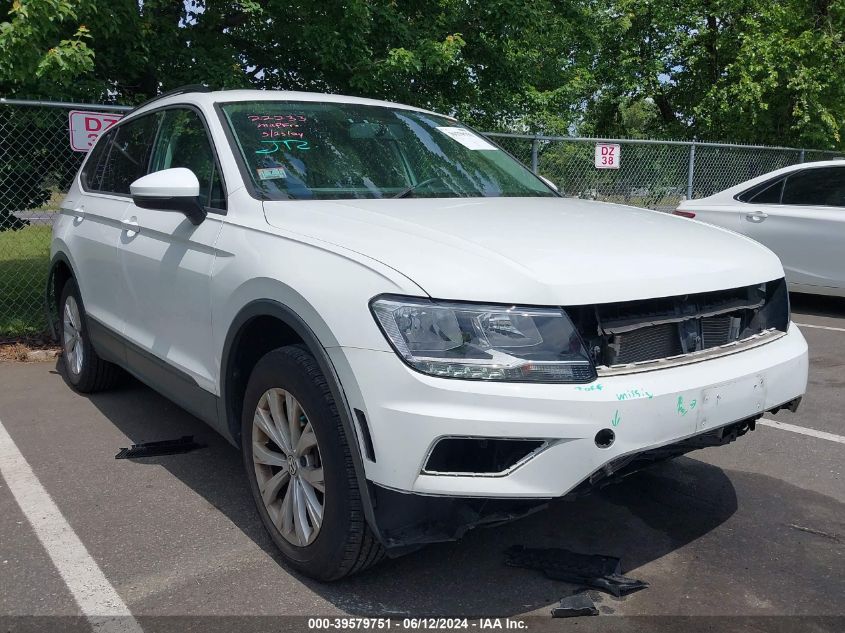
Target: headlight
[(484, 342)]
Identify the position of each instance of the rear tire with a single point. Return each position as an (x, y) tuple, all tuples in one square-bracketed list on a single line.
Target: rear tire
[(84, 370), (304, 468)]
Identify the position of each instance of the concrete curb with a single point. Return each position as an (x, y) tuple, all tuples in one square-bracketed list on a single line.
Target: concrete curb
[(37, 355)]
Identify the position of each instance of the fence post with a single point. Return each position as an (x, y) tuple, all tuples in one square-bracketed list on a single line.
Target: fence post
[(535, 154), (801, 156), (691, 172)]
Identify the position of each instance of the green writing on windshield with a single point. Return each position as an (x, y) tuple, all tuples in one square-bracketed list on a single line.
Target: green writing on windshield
[(289, 144)]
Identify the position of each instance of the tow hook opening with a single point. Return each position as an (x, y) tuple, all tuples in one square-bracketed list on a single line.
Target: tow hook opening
[(605, 438)]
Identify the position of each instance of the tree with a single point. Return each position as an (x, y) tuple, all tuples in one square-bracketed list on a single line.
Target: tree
[(43, 42), (785, 83), (733, 70), (740, 70)]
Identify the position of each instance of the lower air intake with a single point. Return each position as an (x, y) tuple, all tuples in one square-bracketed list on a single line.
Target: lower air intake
[(478, 456)]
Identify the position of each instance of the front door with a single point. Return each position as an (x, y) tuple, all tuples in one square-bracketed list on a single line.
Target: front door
[(166, 264)]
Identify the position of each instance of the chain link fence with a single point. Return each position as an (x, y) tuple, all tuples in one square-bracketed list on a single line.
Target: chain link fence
[(37, 166), (652, 174)]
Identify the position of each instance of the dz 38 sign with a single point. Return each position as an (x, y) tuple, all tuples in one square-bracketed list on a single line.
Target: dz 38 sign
[(85, 127), (607, 156)]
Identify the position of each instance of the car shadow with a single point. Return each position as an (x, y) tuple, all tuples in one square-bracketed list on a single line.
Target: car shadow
[(641, 519), (817, 305)]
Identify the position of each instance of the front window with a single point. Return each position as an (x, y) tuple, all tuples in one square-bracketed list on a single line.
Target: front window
[(310, 150), (183, 142)]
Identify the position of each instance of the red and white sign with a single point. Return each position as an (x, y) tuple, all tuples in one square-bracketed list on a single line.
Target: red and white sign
[(607, 156), (85, 127)]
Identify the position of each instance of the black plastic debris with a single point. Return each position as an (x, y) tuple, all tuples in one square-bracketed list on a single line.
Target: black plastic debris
[(184, 444), (591, 570), (574, 606)]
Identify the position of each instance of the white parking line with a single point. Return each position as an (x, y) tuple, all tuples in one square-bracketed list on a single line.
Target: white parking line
[(803, 430), (96, 597), (821, 327)]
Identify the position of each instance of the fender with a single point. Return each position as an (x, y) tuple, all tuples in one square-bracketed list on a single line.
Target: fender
[(269, 307)]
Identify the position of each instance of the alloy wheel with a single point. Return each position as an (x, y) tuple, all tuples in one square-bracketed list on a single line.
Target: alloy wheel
[(288, 467), (72, 335)]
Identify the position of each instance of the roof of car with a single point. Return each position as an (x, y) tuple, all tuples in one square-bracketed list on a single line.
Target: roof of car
[(200, 97), (732, 191), (784, 170)]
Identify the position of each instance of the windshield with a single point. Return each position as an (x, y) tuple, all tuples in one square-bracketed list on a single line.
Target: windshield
[(311, 150)]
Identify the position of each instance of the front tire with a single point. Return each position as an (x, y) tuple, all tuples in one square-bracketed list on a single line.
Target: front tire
[(300, 470), (84, 370)]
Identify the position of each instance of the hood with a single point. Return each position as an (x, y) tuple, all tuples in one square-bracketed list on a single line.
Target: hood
[(534, 251)]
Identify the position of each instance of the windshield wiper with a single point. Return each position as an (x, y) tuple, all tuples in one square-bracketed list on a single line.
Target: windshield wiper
[(411, 189)]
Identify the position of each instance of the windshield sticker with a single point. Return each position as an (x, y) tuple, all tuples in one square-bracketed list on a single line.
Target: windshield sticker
[(274, 146), (466, 138), (271, 173)]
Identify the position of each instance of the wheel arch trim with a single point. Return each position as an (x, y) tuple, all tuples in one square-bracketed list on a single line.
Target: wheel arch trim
[(50, 297)]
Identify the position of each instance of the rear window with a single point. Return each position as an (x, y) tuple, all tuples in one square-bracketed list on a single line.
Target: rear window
[(121, 156), (822, 186), (768, 192)]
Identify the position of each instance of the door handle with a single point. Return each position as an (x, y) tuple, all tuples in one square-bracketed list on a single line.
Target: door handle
[(757, 216), (131, 227), (77, 213)]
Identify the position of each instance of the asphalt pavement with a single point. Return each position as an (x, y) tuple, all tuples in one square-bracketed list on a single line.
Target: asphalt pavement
[(751, 535)]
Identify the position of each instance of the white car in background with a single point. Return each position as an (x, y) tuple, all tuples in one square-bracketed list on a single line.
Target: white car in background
[(798, 212)]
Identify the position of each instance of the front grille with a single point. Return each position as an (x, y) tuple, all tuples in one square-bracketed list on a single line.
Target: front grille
[(644, 331), (658, 341), (716, 331)]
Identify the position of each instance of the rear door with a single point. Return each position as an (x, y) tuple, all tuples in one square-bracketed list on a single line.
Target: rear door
[(166, 264), (801, 217), (118, 159)]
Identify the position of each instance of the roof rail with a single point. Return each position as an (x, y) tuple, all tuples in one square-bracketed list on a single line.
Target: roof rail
[(176, 91)]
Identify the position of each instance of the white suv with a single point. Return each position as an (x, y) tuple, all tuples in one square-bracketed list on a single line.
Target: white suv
[(407, 332)]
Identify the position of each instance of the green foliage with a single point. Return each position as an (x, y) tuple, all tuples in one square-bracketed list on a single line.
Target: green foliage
[(43, 42), (742, 70), (746, 70), (786, 77), (24, 262)]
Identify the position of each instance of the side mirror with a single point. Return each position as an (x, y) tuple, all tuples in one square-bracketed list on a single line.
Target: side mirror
[(176, 189), (548, 182)]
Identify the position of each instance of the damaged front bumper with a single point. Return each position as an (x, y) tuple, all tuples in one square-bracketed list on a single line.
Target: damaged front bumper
[(407, 521), (577, 437)]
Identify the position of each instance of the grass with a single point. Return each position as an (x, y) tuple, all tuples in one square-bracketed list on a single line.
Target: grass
[(24, 263)]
